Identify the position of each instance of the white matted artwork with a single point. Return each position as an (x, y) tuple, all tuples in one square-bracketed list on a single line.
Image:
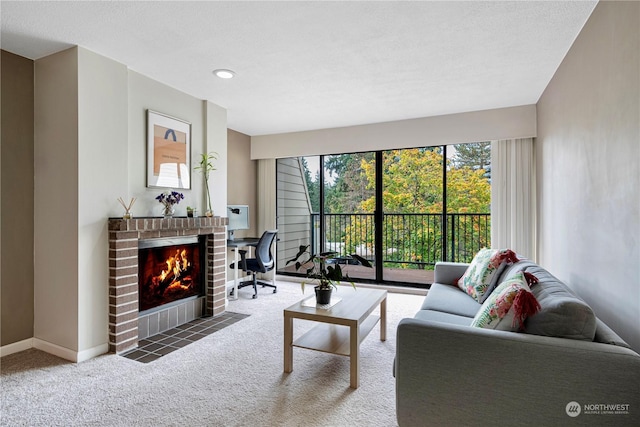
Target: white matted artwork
[(168, 151)]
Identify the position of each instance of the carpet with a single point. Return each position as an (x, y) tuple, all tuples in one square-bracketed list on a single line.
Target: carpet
[(233, 377)]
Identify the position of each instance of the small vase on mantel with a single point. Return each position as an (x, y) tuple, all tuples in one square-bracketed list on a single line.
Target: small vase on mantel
[(168, 211)]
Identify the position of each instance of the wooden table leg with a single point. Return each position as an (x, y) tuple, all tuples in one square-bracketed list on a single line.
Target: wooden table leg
[(383, 319), (288, 343), (354, 349)]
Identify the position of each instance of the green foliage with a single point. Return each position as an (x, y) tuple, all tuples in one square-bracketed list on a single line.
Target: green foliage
[(412, 180), (476, 156), (412, 184), (350, 184)]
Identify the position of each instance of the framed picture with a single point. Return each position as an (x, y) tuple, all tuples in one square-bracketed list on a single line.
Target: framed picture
[(168, 151)]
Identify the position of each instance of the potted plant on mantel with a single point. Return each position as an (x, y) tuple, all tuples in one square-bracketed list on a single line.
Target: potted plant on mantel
[(326, 275), (206, 166)]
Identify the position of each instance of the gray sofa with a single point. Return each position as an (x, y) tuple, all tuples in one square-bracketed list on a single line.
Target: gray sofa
[(449, 373)]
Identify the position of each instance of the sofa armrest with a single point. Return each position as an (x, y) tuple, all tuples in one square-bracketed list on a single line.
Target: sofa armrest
[(459, 375), (448, 273)]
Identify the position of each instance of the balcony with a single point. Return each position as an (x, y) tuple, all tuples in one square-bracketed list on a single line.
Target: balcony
[(411, 242)]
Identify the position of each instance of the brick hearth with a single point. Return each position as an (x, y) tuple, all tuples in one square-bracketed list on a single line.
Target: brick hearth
[(123, 268)]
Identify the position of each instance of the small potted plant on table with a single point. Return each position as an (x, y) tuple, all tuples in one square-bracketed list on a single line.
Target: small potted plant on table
[(326, 276)]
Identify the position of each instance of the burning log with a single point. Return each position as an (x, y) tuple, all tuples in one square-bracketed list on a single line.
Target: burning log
[(171, 277), (178, 267)]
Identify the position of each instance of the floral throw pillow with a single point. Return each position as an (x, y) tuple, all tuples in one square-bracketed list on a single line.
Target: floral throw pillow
[(484, 271), (508, 306)]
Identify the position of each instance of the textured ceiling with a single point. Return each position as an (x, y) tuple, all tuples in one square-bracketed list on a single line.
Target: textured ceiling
[(313, 65)]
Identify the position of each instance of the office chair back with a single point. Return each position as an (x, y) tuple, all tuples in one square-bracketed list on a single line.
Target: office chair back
[(265, 259), (262, 263)]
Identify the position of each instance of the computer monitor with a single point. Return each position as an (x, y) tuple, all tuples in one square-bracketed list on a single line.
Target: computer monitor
[(238, 218)]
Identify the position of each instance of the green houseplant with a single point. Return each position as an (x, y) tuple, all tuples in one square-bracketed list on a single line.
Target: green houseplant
[(324, 274), (206, 166)]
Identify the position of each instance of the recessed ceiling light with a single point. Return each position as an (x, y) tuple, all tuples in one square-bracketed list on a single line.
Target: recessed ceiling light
[(224, 74)]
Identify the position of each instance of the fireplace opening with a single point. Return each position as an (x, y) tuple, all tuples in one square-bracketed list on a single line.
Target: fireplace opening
[(169, 270)]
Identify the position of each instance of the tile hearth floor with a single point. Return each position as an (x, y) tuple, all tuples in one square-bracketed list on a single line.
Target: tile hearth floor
[(152, 348)]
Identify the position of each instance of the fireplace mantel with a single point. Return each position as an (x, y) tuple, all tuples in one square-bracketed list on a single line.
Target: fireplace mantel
[(124, 235)]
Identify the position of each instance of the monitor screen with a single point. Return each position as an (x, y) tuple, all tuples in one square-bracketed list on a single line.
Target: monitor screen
[(238, 217)]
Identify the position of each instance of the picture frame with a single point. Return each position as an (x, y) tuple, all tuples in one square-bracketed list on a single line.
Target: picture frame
[(168, 151)]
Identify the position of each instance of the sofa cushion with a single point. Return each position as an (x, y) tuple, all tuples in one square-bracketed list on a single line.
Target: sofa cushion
[(562, 314), (439, 316), (482, 275), (507, 306), (450, 299), (512, 269)]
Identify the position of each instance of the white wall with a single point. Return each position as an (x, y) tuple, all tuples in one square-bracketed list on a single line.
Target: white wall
[(208, 133), (102, 177), (145, 94), (56, 259), (588, 174), (216, 141), (503, 123)]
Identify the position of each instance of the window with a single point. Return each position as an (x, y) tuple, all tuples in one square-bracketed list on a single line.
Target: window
[(432, 204)]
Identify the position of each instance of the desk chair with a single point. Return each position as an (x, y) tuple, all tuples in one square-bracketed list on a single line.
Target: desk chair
[(262, 262)]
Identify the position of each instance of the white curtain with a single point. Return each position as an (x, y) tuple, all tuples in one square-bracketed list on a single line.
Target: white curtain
[(513, 196)]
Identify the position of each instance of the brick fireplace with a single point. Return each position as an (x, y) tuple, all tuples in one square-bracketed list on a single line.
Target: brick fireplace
[(124, 236)]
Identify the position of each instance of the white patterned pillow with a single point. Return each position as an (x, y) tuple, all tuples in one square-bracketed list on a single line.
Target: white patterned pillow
[(484, 271), (508, 306)]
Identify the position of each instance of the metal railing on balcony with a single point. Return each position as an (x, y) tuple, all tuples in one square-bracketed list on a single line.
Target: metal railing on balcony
[(409, 240)]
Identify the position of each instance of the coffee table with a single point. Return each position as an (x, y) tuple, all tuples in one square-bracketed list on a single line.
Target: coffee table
[(342, 327)]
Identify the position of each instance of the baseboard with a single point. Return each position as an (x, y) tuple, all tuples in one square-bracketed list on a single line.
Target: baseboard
[(55, 349), (16, 347), (93, 352), (71, 355)]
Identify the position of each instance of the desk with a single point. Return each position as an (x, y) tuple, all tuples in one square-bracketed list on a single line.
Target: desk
[(244, 242)]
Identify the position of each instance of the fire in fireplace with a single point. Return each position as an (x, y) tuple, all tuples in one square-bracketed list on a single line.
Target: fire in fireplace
[(169, 270)]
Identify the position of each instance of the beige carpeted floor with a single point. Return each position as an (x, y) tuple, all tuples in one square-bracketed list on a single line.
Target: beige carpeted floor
[(233, 377)]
